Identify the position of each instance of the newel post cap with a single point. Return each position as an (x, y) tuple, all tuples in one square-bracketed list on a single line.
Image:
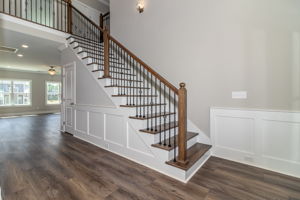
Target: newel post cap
[(182, 85)]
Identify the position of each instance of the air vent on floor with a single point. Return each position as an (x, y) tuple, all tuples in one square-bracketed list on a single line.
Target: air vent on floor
[(8, 49)]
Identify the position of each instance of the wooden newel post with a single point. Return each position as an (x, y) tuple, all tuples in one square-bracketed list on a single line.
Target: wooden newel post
[(69, 16), (106, 53), (101, 21), (182, 124)]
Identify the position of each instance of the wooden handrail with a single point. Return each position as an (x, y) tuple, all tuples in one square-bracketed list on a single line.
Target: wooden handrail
[(153, 72), (106, 14)]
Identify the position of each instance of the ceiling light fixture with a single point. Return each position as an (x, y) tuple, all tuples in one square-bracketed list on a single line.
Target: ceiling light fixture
[(25, 46), (52, 71), (20, 55), (140, 6)]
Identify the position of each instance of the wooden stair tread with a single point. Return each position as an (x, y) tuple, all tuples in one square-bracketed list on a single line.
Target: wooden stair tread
[(75, 37), (119, 86), (111, 56), (102, 59), (120, 79), (94, 46), (144, 105), (168, 147), (113, 72), (124, 95), (111, 66), (160, 128), (91, 49), (149, 116), (194, 153)]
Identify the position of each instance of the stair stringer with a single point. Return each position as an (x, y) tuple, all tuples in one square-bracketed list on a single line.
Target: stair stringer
[(151, 157)]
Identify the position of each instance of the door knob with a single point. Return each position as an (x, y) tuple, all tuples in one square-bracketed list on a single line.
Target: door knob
[(72, 104)]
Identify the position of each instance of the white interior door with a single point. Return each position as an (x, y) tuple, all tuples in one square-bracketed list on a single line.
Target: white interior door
[(69, 97)]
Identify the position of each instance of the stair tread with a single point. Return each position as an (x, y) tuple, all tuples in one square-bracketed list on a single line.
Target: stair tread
[(168, 147), (95, 46), (119, 86), (102, 59), (121, 79), (194, 153), (154, 115), (143, 105), (83, 39), (160, 128), (111, 56), (92, 49), (113, 72), (124, 95)]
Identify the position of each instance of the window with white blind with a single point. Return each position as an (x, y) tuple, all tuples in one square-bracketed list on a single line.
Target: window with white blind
[(15, 92), (53, 90)]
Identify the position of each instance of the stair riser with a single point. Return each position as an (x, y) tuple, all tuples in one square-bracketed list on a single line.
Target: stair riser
[(189, 144)]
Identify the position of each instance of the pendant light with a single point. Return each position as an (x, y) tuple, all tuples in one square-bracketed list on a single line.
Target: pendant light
[(51, 71)]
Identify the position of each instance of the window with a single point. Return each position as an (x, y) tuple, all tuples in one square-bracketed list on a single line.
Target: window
[(15, 93), (53, 95)]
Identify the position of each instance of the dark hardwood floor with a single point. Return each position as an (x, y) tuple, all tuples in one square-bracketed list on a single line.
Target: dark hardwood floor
[(37, 162)]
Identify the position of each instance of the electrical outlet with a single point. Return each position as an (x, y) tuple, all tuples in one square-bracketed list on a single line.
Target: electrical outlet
[(239, 94)]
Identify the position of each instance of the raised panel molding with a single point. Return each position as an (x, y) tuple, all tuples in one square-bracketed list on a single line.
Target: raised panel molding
[(81, 121), (115, 129), (96, 124), (135, 142), (267, 139)]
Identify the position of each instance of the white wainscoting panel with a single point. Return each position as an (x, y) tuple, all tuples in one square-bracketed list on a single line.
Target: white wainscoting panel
[(267, 139), (96, 124), (115, 129), (81, 121)]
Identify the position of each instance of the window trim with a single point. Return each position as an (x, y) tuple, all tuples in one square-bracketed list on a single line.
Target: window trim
[(12, 93), (46, 93)]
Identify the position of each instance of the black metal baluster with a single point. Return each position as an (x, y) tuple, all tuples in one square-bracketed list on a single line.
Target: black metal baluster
[(175, 135), (144, 99), (140, 83), (155, 113), (160, 111), (170, 117), (151, 103), (148, 100), (165, 96)]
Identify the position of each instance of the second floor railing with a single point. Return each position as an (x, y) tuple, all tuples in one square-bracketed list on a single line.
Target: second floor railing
[(50, 13)]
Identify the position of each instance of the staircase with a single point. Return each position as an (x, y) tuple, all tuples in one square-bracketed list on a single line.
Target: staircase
[(159, 106), (152, 100)]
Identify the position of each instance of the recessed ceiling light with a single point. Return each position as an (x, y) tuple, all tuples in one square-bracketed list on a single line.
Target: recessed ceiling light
[(20, 55), (25, 46)]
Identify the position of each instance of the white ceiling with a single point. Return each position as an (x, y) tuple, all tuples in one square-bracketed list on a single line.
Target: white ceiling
[(38, 57)]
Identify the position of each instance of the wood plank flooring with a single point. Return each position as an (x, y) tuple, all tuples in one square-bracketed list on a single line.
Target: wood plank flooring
[(37, 162)]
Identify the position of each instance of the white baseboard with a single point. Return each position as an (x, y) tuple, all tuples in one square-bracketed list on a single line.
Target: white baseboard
[(28, 113), (265, 139)]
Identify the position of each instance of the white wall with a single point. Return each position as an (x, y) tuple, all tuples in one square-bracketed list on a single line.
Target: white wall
[(91, 10), (268, 139), (88, 92), (38, 93), (217, 47)]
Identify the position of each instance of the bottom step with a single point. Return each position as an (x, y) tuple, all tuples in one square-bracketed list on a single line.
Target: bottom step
[(194, 153)]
